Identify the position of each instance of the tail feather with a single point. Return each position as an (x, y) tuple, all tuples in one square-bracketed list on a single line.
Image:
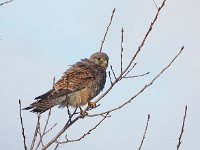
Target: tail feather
[(41, 105), (45, 95), (47, 100)]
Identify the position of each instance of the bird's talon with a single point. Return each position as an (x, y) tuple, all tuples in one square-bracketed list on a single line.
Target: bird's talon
[(83, 113), (91, 104)]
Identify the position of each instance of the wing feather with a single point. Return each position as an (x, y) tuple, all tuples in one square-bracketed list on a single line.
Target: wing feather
[(77, 76)]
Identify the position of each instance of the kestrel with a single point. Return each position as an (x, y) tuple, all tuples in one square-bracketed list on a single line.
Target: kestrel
[(78, 86)]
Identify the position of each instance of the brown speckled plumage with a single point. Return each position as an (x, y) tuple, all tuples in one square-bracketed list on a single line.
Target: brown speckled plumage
[(81, 82)]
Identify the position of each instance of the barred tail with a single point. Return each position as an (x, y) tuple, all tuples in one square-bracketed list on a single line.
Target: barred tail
[(41, 105)]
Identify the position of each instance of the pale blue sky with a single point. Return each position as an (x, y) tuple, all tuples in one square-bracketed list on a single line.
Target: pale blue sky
[(39, 39)]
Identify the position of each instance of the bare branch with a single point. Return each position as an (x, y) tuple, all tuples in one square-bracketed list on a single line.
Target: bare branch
[(56, 146), (36, 132), (44, 130), (104, 38), (87, 133), (69, 113), (54, 81), (127, 69), (110, 78), (113, 72), (131, 68), (155, 4), (5, 2), (22, 125), (145, 131), (47, 122), (182, 129), (67, 125), (140, 75), (41, 136), (50, 128), (122, 48), (145, 37)]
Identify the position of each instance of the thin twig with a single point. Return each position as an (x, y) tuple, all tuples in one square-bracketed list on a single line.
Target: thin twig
[(56, 146), (44, 130), (140, 75), (67, 125), (145, 131), (50, 128), (122, 49), (41, 136), (104, 38), (5, 2), (85, 134), (35, 133), (145, 37), (69, 114), (182, 129), (22, 125), (47, 122), (54, 81), (110, 78), (131, 68), (39, 132), (113, 72), (155, 4)]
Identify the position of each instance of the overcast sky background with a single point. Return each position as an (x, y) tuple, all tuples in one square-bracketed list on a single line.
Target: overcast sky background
[(39, 39)]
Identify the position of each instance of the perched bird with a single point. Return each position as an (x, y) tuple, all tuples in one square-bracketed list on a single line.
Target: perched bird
[(78, 86)]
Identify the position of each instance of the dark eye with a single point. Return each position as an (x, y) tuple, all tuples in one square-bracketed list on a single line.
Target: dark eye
[(99, 58)]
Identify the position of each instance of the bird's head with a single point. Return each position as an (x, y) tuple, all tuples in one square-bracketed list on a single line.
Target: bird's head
[(100, 58)]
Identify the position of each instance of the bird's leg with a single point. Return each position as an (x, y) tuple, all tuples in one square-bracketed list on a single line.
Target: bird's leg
[(82, 112), (91, 104)]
